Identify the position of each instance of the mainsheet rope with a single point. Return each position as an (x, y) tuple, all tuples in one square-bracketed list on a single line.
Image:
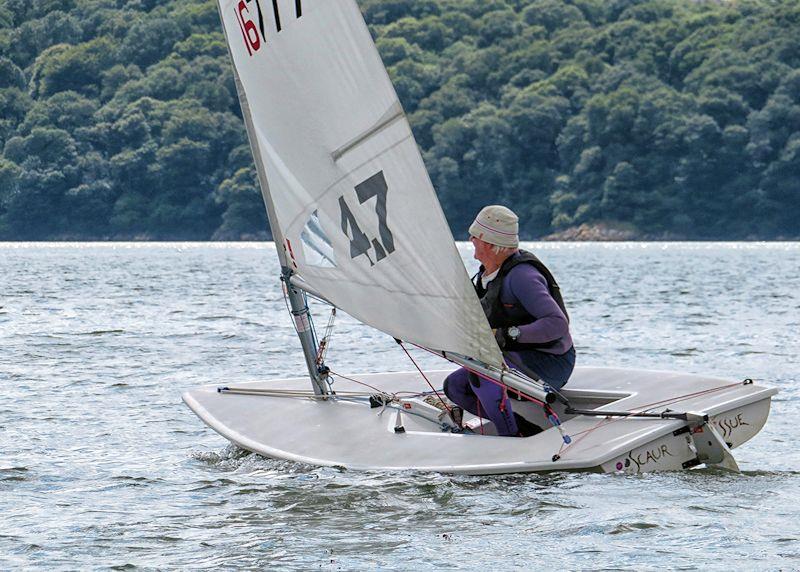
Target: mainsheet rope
[(372, 387), (551, 415), (647, 407), (425, 377), (567, 441)]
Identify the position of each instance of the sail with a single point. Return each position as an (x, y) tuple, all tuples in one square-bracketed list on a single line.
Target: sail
[(348, 195)]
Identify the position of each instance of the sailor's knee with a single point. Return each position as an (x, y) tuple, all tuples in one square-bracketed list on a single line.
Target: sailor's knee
[(455, 384)]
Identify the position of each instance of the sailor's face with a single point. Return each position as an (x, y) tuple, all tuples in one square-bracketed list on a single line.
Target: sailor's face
[(483, 250)]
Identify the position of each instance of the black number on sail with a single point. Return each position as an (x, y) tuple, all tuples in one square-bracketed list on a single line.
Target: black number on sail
[(360, 244), (298, 10), (276, 11), (376, 186), (277, 14), (260, 21)]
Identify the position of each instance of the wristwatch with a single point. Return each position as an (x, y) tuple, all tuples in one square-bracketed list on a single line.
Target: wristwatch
[(513, 333)]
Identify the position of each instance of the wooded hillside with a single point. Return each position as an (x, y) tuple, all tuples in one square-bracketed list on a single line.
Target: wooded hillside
[(119, 119)]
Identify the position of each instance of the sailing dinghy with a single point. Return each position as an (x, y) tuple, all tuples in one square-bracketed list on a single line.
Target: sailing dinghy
[(357, 224)]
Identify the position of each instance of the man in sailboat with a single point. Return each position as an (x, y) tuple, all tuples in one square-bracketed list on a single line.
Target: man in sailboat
[(524, 306)]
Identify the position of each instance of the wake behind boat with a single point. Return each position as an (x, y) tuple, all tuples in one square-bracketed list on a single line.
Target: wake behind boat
[(357, 224)]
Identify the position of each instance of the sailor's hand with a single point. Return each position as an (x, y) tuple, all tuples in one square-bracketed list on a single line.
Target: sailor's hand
[(500, 336)]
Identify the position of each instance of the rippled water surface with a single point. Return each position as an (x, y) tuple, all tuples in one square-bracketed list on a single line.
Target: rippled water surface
[(101, 465)]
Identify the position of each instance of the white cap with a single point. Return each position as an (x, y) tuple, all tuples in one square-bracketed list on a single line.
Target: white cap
[(496, 225)]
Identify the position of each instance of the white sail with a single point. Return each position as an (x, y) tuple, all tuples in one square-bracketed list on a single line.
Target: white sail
[(344, 181)]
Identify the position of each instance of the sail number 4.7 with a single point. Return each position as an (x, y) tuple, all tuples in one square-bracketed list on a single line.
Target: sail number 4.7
[(360, 243)]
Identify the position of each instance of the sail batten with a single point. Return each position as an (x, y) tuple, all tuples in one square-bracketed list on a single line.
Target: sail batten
[(395, 113), (348, 195)]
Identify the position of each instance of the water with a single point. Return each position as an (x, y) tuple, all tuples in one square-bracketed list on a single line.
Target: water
[(101, 465)]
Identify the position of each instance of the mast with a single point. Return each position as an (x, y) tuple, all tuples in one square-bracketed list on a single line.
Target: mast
[(297, 300)]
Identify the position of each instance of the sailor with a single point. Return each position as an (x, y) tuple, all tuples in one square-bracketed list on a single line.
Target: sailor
[(526, 311)]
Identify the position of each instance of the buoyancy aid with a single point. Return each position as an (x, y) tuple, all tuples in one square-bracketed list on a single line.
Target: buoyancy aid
[(496, 311)]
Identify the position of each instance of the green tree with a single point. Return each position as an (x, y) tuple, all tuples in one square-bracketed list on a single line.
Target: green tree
[(47, 158), (9, 188), (73, 68), (41, 32), (65, 110), (381, 12), (150, 40), (244, 213), (11, 76), (121, 119)]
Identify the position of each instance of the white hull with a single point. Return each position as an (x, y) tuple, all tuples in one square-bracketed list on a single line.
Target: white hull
[(355, 436)]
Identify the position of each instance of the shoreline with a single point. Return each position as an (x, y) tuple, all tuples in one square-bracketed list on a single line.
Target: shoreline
[(599, 232)]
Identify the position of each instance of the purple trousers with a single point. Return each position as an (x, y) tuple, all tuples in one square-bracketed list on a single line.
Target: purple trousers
[(472, 392)]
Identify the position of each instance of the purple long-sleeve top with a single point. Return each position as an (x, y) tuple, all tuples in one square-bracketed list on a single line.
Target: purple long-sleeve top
[(525, 287)]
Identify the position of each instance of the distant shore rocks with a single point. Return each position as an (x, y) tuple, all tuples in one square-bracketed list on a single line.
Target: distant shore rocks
[(600, 232)]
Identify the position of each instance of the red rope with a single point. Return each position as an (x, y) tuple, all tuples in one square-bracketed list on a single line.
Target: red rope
[(356, 381), (449, 409), (501, 384), (678, 398), (585, 433), (381, 391)]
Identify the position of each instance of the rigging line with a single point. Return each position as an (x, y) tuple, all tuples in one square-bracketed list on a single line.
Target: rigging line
[(380, 391), (324, 343), (568, 443), (646, 407), (500, 383), (586, 433), (511, 361), (608, 421), (409, 412), (310, 318), (309, 294), (583, 434), (678, 398), (278, 391), (317, 298), (550, 415), (566, 440), (285, 292), (321, 370), (291, 394), (394, 396), (425, 377)]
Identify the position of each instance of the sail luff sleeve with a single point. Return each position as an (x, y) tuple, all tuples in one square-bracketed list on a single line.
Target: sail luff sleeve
[(263, 182)]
